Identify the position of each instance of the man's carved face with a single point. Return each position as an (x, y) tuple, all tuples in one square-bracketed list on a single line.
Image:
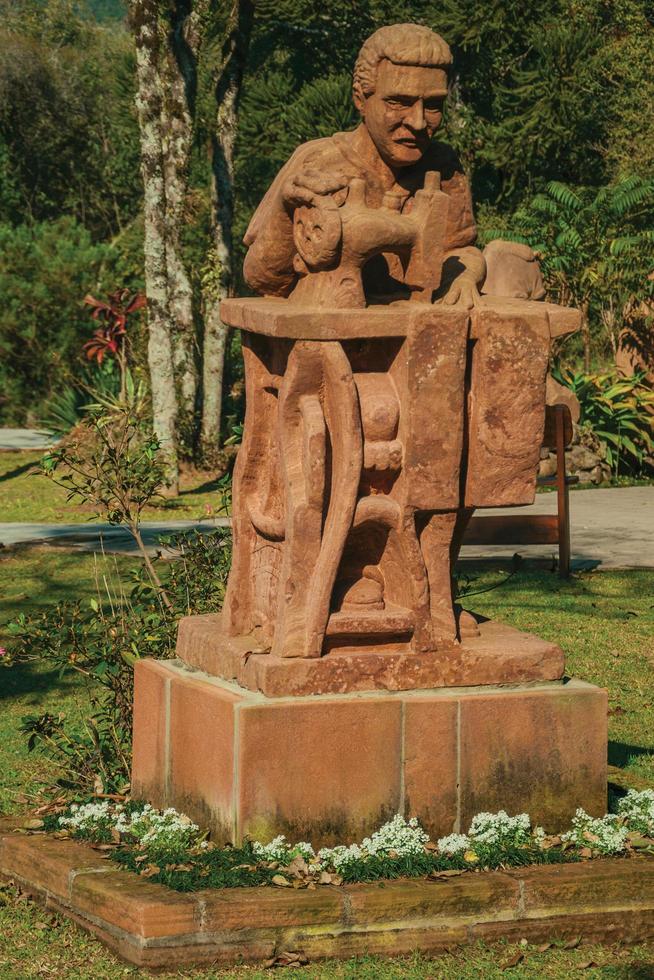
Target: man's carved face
[(404, 111)]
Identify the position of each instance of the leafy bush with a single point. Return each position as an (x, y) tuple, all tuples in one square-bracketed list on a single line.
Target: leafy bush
[(620, 411), (101, 641), (43, 269)]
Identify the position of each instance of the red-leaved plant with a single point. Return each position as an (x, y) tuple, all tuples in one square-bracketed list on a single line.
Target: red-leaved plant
[(111, 338)]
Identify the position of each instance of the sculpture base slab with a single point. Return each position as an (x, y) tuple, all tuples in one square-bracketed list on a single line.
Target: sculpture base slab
[(500, 655), (331, 769)]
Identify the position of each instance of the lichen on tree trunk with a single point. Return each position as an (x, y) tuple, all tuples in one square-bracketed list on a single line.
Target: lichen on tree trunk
[(220, 283), (144, 19)]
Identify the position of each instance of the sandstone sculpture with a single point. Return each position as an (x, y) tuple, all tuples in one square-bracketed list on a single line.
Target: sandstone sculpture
[(391, 387), (386, 399)]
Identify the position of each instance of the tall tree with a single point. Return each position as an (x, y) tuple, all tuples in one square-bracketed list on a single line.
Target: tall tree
[(219, 280)]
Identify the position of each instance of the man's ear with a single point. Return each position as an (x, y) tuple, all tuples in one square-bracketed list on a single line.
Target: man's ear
[(359, 99)]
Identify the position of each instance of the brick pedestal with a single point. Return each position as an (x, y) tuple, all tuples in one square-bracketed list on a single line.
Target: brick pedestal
[(332, 768)]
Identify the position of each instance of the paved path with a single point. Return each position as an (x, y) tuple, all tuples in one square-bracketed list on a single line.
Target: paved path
[(612, 528), (99, 537), (26, 439)]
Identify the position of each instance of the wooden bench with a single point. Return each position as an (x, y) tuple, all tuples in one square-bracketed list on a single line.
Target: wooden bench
[(537, 528)]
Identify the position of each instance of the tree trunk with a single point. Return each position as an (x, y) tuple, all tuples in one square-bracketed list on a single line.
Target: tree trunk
[(179, 74), (221, 283), (145, 24), (585, 335)]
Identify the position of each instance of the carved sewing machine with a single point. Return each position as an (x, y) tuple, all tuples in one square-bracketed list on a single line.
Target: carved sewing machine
[(334, 242)]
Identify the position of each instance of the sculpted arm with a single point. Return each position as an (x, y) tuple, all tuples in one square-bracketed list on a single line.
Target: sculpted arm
[(464, 267), (268, 266)]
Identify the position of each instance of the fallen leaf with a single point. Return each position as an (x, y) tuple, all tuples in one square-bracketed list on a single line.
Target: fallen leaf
[(298, 867), (544, 947), (32, 824), (98, 786), (587, 965), (513, 961), (572, 943), (281, 881), (150, 871), (445, 874), (287, 958), (586, 852)]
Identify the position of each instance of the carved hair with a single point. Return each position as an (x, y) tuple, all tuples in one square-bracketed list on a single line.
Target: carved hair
[(401, 44)]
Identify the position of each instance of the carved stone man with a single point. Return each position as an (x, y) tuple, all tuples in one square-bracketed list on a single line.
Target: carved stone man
[(386, 396), (400, 86)]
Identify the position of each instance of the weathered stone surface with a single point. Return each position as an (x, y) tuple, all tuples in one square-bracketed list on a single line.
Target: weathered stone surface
[(332, 768), (50, 863), (542, 753), (135, 905), (326, 771), (444, 898), (430, 762), (498, 655), (564, 887), (268, 908), (151, 719), (201, 752)]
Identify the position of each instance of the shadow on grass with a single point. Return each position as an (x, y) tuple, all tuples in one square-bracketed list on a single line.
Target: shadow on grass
[(32, 679), (621, 754), (19, 470)]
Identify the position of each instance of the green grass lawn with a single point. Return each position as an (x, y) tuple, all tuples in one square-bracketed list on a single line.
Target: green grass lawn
[(604, 621), (26, 495)]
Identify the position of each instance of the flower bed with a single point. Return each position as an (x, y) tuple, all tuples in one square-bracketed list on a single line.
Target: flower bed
[(169, 848)]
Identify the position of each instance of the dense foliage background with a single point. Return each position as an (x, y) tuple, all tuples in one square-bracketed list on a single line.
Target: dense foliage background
[(555, 91)]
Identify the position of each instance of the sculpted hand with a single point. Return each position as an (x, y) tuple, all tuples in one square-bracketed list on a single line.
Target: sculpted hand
[(463, 292), (308, 185)]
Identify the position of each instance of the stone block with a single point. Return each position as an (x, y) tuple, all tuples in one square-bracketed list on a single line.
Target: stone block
[(326, 770), (139, 907), (333, 768), (540, 751), (268, 908), (48, 863), (202, 721), (430, 762), (438, 899), (150, 730)]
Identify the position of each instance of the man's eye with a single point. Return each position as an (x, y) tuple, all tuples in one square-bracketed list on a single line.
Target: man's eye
[(394, 103)]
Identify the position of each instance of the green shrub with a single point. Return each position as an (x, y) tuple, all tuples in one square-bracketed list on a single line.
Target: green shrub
[(102, 640), (620, 411), (45, 270)]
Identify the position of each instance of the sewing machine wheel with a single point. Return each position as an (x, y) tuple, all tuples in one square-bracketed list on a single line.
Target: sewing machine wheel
[(317, 235)]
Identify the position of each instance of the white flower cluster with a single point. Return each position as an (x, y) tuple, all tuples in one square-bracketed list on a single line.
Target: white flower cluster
[(158, 832), (499, 829), (602, 834), (397, 838), (280, 850), (637, 808), (89, 816), (454, 844), (491, 830)]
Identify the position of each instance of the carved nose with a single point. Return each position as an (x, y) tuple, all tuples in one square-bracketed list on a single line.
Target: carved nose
[(416, 117)]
